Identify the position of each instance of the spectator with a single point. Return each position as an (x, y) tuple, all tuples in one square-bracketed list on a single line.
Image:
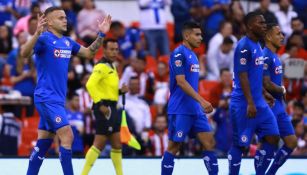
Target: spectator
[(7, 12), (158, 138), (87, 27), (76, 121), (284, 16), (67, 6), (223, 89), (235, 15), (298, 27), (181, 13), (22, 23), (300, 7), (220, 58), (223, 132), (76, 70), (12, 56), (214, 13), (298, 111), (161, 86), (23, 78), (85, 104), (129, 40), (301, 149), (32, 25), (153, 23), (6, 43), (264, 10), (137, 108), (136, 69)]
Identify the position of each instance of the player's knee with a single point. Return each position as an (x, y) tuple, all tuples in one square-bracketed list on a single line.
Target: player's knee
[(272, 139), (66, 136), (209, 144)]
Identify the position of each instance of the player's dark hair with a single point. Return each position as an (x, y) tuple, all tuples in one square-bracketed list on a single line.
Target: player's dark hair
[(270, 26), (188, 25), (250, 17), (116, 25), (52, 9), (108, 40), (227, 40), (224, 70)]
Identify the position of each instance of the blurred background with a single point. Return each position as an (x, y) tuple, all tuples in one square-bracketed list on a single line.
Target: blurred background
[(147, 31)]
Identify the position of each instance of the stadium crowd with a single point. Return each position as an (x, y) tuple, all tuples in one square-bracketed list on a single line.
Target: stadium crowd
[(145, 46)]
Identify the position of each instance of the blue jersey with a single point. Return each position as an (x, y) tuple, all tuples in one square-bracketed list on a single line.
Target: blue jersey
[(183, 61), (273, 68), (52, 58), (248, 58)]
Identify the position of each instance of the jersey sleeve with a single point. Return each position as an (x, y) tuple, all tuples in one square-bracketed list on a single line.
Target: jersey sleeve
[(92, 84), (178, 63), (242, 58), (39, 45), (75, 47), (266, 66)]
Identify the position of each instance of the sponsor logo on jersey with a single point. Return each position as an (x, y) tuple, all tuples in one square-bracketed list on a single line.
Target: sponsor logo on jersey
[(194, 68), (259, 61), (59, 53)]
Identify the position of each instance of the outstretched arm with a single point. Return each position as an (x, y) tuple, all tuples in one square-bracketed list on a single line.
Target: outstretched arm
[(90, 51), (27, 48)]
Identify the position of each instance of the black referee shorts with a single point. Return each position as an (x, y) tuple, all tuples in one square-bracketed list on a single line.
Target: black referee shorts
[(106, 125)]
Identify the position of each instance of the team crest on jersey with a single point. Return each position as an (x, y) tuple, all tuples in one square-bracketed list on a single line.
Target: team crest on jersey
[(243, 61), (179, 134), (58, 119), (178, 63), (244, 138), (194, 68), (278, 70), (67, 43)]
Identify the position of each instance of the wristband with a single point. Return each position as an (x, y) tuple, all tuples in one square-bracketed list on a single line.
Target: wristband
[(284, 91), (100, 34)]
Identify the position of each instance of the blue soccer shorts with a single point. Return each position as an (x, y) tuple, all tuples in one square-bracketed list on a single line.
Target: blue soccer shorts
[(264, 124), (180, 126), (283, 120), (52, 116)]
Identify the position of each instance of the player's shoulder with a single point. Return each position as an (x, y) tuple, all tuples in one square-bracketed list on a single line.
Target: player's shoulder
[(243, 43), (178, 52)]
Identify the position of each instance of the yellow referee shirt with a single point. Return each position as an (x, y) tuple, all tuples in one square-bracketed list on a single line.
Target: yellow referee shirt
[(103, 82)]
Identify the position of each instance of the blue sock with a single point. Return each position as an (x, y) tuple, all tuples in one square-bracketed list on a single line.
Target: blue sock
[(210, 161), (38, 155), (280, 158), (65, 158), (263, 157), (234, 158), (167, 165)]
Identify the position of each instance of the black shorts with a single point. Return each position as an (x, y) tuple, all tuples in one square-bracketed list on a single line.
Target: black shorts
[(104, 125)]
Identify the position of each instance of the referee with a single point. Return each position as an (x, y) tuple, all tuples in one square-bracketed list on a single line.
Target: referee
[(103, 88)]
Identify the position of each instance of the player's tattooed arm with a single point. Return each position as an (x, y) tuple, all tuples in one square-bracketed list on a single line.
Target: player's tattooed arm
[(104, 27)]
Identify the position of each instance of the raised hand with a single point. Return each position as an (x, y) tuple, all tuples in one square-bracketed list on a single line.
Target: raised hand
[(104, 26), (41, 24)]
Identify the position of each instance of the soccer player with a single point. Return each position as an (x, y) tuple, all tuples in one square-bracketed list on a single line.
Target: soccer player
[(53, 52), (185, 107), (248, 109), (273, 75), (103, 88)]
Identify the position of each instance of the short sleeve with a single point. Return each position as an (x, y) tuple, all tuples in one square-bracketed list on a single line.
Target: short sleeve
[(75, 47), (266, 66), (242, 58), (39, 45), (177, 62)]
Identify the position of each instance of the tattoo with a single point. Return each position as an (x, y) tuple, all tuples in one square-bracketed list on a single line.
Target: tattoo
[(96, 44)]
